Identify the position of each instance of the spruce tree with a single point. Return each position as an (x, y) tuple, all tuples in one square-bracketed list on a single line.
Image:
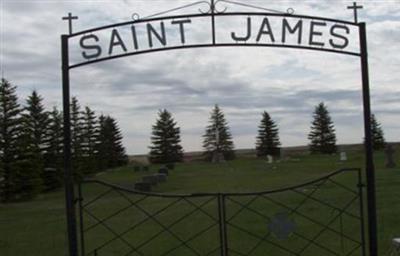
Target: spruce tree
[(378, 139), (217, 137), (76, 137), (322, 134), (165, 140), (268, 137), (34, 123), (29, 166), (110, 151), (37, 119), (102, 146), (54, 151), (89, 141), (10, 130)]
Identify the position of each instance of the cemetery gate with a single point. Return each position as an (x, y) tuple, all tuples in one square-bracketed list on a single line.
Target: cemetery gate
[(321, 217), (274, 29)]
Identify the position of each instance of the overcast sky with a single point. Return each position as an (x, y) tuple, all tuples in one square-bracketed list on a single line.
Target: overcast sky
[(243, 81)]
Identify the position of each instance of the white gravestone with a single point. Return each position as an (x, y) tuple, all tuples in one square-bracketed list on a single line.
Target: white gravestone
[(270, 159), (396, 246), (343, 156)]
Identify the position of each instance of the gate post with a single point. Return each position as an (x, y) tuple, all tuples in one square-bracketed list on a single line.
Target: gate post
[(370, 169), (361, 186), (81, 230), (222, 226), (68, 176)]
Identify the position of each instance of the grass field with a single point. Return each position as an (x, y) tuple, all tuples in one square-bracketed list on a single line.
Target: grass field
[(38, 227)]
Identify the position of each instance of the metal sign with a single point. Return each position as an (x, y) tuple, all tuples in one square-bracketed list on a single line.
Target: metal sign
[(264, 28), (167, 33)]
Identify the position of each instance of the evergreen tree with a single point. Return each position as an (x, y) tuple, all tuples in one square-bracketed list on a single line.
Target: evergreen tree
[(165, 140), (36, 120), (378, 140), (9, 133), (89, 141), (322, 134), (34, 123), (110, 151), (217, 138), (28, 165), (268, 137), (76, 137), (102, 146), (54, 151)]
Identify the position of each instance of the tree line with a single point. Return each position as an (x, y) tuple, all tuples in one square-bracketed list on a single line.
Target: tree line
[(165, 139), (31, 144)]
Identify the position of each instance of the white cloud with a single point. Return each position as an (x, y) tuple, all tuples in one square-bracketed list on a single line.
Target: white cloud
[(244, 81)]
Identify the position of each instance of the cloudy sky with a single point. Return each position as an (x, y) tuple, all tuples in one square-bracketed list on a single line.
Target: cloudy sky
[(243, 81)]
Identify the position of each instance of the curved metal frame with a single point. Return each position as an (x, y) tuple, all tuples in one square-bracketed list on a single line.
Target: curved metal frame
[(224, 193), (212, 13), (213, 43)]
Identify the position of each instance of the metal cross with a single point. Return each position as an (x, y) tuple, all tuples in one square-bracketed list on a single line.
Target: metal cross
[(355, 8), (70, 18), (281, 226)]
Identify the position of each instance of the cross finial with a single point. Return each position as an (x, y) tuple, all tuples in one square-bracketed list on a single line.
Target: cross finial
[(355, 8), (70, 18)]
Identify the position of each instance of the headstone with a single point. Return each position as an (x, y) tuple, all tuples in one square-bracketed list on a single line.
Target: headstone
[(161, 177), (143, 186), (389, 152), (343, 156), (270, 159), (170, 166), (163, 170), (396, 246), (218, 157), (136, 168), (150, 179), (49, 169), (282, 154)]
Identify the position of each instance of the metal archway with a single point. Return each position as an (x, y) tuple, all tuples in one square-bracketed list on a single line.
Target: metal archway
[(212, 14)]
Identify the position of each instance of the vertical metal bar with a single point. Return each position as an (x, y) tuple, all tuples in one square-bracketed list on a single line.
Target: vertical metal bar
[(361, 200), (370, 169), (82, 238), (221, 223), (213, 21), (223, 205), (68, 177)]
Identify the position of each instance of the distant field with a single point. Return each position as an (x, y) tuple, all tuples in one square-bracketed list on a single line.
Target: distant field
[(38, 227)]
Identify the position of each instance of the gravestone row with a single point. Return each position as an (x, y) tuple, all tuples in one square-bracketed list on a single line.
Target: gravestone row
[(138, 168), (152, 180), (389, 156)]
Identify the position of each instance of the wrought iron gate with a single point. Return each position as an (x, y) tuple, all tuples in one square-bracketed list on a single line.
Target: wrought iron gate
[(321, 217)]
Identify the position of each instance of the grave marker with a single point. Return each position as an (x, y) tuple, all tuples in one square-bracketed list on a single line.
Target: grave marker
[(142, 186), (343, 156), (389, 153), (150, 179), (270, 159), (163, 170), (161, 177)]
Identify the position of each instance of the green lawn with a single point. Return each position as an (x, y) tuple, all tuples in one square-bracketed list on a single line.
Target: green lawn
[(38, 227)]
